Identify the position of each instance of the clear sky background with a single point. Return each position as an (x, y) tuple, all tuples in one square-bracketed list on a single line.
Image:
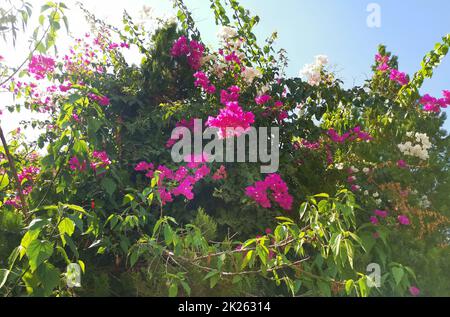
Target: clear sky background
[(306, 28)]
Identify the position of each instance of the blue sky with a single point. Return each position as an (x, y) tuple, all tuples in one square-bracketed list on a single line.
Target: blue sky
[(306, 28), (338, 29)]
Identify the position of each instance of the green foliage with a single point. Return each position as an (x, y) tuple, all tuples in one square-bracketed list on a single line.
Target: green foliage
[(111, 220)]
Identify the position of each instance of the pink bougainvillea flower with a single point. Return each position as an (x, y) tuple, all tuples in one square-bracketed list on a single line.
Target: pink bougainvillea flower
[(203, 81), (259, 192), (193, 51), (100, 159), (283, 115), (1, 58), (201, 172), (381, 213), (230, 95), (263, 99), (102, 100), (374, 220), (404, 220), (354, 134), (446, 94), (64, 88), (195, 160), (231, 121), (402, 164), (232, 58), (351, 179), (399, 77), (355, 188), (383, 67), (40, 66), (28, 173), (180, 47), (221, 173), (195, 54), (432, 104), (381, 58), (74, 164), (143, 167), (414, 291), (165, 196)]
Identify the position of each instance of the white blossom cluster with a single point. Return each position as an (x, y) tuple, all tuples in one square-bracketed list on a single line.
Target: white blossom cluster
[(313, 72), (226, 34), (420, 149), (424, 202), (376, 196), (250, 73), (228, 37)]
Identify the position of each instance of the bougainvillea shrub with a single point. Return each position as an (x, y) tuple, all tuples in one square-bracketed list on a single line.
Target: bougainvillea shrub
[(97, 207)]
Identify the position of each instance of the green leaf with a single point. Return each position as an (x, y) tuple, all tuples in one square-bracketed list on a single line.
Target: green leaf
[(349, 286), (4, 181), (66, 226), (109, 185), (49, 277), (3, 276), (77, 208), (168, 234), (173, 290), (398, 274), (29, 237), (37, 252)]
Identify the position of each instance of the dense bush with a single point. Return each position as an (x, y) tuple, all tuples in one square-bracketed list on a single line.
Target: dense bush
[(363, 175)]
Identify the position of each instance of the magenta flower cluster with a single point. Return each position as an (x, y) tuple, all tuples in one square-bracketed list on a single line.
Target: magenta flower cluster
[(102, 100), (432, 104), (394, 74), (40, 66), (201, 80), (232, 116), (279, 191), (180, 182), (354, 134), (193, 50)]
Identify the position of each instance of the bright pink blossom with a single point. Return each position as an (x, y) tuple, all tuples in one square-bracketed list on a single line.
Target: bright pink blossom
[(102, 100), (381, 213), (374, 220), (432, 104), (232, 121), (221, 173), (404, 220), (40, 66), (354, 134), (100, 159), (203, 81), (414, 291), (143, 167), (402, 164), (399, 77), (263, 99), (230, 95), (192, 50), (75, 165), (28, 173), (278, 190)]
